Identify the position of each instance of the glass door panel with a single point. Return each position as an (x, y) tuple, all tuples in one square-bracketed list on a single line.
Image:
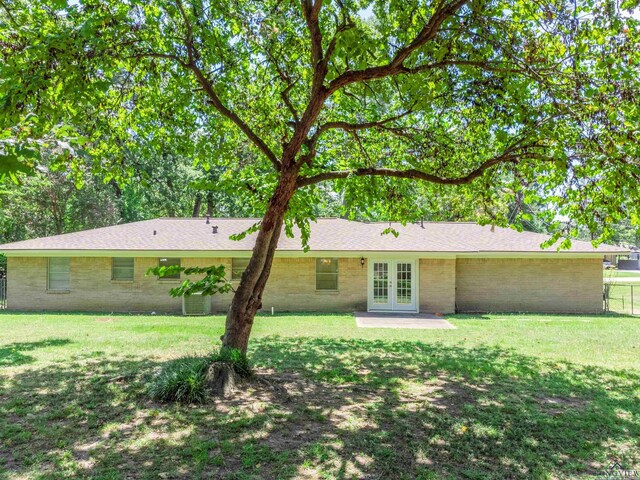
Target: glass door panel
[(380, 283)]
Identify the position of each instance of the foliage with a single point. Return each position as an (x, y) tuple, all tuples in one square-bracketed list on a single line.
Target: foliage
[(49, 202), (181, 380), (528, 100), (184, 380), (236, 358), (214, 279)]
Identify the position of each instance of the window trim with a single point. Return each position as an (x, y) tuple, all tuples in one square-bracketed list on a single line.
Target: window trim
[(113, 269), (237, 279), (337, 274), (62, 290), (170, 279)]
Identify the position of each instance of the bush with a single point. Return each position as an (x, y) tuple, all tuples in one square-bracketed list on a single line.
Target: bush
[(184, 380), (236, 358)]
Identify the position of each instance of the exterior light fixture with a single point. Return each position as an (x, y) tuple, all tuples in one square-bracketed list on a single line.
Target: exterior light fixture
[(362, 262)]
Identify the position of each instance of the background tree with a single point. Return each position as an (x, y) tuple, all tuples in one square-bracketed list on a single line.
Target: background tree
[(49, 202), (534, 100)]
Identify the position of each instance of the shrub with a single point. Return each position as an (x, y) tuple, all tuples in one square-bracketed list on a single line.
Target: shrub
[(236, 358), (181, 380), (184, 380)]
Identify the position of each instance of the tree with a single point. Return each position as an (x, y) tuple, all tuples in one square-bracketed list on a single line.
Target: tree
[(501, 99), (49, 202)]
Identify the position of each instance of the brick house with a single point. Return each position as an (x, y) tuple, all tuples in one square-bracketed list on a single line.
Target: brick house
[(429, 267)]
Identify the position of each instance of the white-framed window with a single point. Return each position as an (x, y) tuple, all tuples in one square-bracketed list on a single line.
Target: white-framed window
[(238, 266), (327, 274), (122, 269), (169, 262), (58, 274)]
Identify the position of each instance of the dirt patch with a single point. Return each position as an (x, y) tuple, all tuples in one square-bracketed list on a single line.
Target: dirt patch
[(559, 405)]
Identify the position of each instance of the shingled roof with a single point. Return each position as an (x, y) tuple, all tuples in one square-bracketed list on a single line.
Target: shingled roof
[(327, 234)]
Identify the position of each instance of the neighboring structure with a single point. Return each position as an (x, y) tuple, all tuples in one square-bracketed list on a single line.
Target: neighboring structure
[(632, 262), (430, 267)]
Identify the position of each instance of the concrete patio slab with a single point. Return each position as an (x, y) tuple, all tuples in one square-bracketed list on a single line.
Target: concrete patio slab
[(401, 320)]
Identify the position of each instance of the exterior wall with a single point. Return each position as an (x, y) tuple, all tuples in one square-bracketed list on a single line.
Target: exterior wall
[(468, 285), (91, 287), (290, 287), (437, 285), (529, 285)]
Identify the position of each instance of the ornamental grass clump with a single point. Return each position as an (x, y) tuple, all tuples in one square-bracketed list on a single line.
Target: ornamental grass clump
[(194, 379)]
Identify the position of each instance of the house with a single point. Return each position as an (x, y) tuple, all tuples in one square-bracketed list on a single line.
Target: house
[(428, 267)]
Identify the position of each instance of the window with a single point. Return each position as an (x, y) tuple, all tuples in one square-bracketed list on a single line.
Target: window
[(170, 262), (58, 274), (238, 266), (326, 274), (122, 269)]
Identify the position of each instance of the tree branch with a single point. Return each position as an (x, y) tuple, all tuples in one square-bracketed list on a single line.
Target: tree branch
[(290, 84), (414, 174), (187, 24), (395, 66), (214, 100), (9, 14), (311, 11), (343, 26), (208, 88), (231, 115), (489, 66), (287, 101), (357, 126), (346, 126)]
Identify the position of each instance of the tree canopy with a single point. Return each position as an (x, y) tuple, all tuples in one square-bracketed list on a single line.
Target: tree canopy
[(537, 101)]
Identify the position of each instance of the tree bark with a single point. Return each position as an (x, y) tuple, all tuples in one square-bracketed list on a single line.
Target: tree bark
[(209, 205), (197, 203), (248, 296)]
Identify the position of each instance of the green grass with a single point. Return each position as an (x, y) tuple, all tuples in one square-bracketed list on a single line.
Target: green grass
[(624, 298), (502, 396), (620, 276)]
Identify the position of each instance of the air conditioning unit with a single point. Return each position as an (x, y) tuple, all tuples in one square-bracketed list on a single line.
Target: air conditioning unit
[(196, 304)]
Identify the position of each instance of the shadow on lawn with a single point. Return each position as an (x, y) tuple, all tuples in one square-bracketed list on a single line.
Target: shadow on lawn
[(13, 354), (351, 409)]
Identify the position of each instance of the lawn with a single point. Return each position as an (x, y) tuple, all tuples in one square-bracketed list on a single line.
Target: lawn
[(620, 275), (624, 297), (503, 396)]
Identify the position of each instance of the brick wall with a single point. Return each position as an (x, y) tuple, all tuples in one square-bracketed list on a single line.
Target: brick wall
[(437, 285), (291, 286), (529, 285), (536, 285)]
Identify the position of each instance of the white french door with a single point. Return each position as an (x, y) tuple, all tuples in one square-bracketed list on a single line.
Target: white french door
[(392, 285)]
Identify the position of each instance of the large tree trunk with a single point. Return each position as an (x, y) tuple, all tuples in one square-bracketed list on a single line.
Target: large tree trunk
[(248, 297)]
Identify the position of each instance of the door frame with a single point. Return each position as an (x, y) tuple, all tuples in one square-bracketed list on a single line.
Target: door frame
[(415, 262)]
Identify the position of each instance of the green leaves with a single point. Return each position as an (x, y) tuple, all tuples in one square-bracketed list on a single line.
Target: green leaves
[(551, 90), (213, 281)]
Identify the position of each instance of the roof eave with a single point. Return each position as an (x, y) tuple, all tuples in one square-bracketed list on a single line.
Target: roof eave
[(311, 253)]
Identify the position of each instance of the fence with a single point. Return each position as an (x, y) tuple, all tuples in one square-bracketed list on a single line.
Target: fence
[(622, 298), (3, 293)]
